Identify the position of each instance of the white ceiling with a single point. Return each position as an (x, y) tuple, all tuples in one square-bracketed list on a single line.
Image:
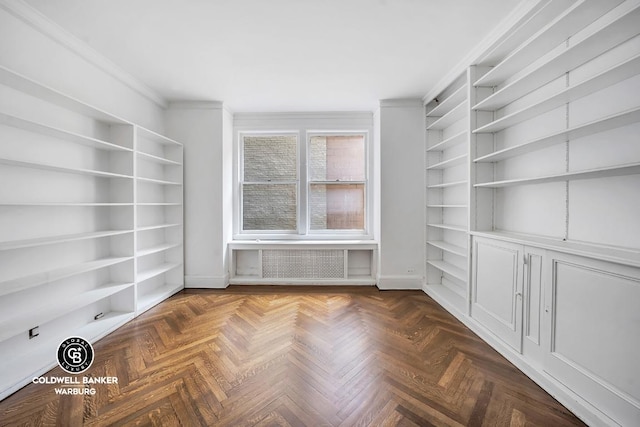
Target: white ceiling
[(282, 55)]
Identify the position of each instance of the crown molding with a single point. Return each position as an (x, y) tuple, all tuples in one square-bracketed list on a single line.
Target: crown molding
[(501, 30), (55, 32), (290, 116), (197, 105), (401, 103)]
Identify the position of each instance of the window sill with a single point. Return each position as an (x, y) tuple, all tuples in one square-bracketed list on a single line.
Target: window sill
[(307, 244)]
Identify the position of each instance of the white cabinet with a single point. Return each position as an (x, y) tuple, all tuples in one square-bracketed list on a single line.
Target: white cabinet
[(572, 317), (592, 325), (507, 293), (81, 192), (496, 297), (553, 202)]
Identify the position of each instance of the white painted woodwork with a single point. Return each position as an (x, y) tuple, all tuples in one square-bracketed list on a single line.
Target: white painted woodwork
[(447, 159), (553, 198), (90, 223), (592, 324), (535, 272), (359, 265), (496, 294)]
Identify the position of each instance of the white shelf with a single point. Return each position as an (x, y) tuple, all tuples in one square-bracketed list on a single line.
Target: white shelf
[(447, 297), (158, 227), (48, 298), (448, 247), (20, 369), (614, 254), (565, 25), (21, 321), (448, 227), (606, 123), (525, 108), (449, 103), (629, 169), (459, 160), (156, 249), (158, 181), (31, 87), (54, 168), (26, 243), (448, 184), (449, 142), (153, 272), (450, 269), (156, 137), (30, 126), (447, 206), (146, 301), (65, 204), (160, 204), (457, 113), (158, 159), (607, 78), (585, 48), (37, 279)]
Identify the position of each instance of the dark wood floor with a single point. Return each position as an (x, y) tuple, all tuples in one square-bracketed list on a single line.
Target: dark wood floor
[(263, 356)]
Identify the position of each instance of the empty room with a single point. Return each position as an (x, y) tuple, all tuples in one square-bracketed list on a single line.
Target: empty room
[(320, 213)]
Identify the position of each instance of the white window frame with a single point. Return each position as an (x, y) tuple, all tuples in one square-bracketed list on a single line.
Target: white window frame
[(340, 233), (241, 182), (303, 231)]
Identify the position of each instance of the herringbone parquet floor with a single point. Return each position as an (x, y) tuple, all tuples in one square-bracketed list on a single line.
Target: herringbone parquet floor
[(256, 356)]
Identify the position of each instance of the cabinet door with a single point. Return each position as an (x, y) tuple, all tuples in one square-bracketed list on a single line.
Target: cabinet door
[(497, 289), (593, 323), (535, 270)]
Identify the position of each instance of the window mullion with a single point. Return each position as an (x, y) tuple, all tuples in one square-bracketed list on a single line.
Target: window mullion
[(303, 187)]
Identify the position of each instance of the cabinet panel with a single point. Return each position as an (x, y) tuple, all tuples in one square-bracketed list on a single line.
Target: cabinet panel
[(497, 289), (535, 273), (533, 295), (594, 324)]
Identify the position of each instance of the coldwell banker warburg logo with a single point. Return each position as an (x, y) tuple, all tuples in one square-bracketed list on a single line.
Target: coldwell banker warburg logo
[(75, 356)]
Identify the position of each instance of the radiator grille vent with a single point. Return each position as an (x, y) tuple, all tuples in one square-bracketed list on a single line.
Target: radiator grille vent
[(303, 264)]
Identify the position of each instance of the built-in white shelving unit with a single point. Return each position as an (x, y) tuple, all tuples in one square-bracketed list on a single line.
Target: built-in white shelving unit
[(553, 200), (447, 160), (90, 223), (159, 214), (545, 122)]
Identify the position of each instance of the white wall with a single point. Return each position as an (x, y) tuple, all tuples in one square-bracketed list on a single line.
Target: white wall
[(38, 49), (204, 129), (401, 194), (227, 186)]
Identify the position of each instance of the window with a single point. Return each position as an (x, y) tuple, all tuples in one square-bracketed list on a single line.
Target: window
[(315, 186), (337, 178), (270, 183)]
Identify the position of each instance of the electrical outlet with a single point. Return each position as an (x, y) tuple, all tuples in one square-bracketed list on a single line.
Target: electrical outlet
[(34, 332)]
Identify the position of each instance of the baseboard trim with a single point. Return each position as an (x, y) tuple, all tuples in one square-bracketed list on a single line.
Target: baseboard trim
[(400, 282), (206, 282)]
